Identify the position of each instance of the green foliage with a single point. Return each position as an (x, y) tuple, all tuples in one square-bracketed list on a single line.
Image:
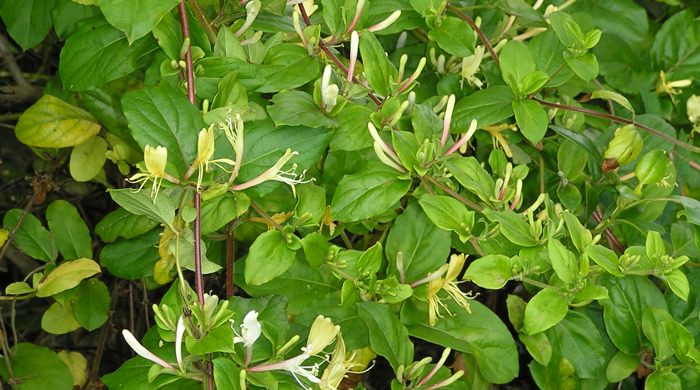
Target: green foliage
[(356, 182)]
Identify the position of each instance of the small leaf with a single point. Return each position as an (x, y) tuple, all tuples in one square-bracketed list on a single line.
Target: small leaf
[(472, 176), (138, 18), (31, 237), (297, 108), (449, 214), (378, 69), (132, 259), (454, 36), (621, 366), (538, 346), (678, 283), (59, 319), (66, 276), (680, 340), (663, 380), (546, 309), (387, 335), (563, 261), (512, 226), (268, 258), (226, 372), (87, 159), (370, 192), (491, 271), (121, 223), (27, 22), (53, 123), (39, 367), (614, 96), (77, 364), (91, 304), (652, 318), (70, 231), (605, 258), (531, 118), (18, 288), (139, 203)]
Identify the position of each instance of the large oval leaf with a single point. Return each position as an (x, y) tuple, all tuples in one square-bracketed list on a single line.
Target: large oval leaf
[(66, 276), (481, 334), (53, 123)]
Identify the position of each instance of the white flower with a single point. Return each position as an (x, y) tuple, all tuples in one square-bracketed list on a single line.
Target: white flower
[(386, 22), (354, 44), (179, 333), (289, 177), (329, 92), (447, 120), (143, 352), (250, 330), (252, 9)]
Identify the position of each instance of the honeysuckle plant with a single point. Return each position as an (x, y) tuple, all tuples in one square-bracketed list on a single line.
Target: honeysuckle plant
[(332, 194)]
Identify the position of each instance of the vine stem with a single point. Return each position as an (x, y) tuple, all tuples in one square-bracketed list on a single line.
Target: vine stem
[(618, 119), (478, 31), (198, 278), (333, 57)]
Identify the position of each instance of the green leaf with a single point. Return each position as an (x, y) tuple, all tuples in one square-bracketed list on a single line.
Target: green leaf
[(585, 66), (387, 335), (316, 248), (614, 96), (216, 340), (472, 176), (69, 230), (563, 261), (678, 283), (624, 18), (516, 63), (135, 18), (91, 304), (546, 309), (480, 334), (66, 276), (351, 133), (31, 237), (53, 123), (620, 367), (370, 261), (622, 313), (59, 319), (268, 258), (488, 106), (217, 212), (132, 259), (87, 159), (121, 223), (140, 203), (162, 116), (297, 108), (424, 246), (680, 340), (531, 118), (663, 380), (287, 66), (512, 226), (367, 193), (578, 340), (491, 271), (27, 22), (538, 346), (580, 236), (18, 288), (378, 69), (454, 36), (605, 258), (449, 214), (98, 53), (677, 46), (652, 320), (226, 372), (39, 367), (68, 14)]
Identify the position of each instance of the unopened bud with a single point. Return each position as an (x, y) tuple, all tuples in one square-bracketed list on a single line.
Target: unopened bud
[(625, 145)]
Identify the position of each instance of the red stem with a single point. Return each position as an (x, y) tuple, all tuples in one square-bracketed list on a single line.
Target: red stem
[(333, 57), (229, 262), (478, 31)]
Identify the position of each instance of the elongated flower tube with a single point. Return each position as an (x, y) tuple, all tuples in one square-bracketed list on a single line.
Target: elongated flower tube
[(205, 152), (693, 108), (470, 133), (322, 333), (447, 120), (179, 334), (289, 177), (143, 352), (447, 284), (252, 9), (470, 65), (358, 12), (354, 44), (386, 22), (329, 92), (383, 151), (233, 130), (414, 76)]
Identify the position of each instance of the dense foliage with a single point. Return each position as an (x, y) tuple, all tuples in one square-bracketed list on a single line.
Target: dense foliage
[(404, 194)]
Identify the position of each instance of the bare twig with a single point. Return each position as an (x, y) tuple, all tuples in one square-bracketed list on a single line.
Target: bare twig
[(454, 194)]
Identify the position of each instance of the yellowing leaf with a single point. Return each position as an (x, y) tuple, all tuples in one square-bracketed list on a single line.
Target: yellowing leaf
[(59, 319), (53, 123), (66, 276), (77, 364)]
